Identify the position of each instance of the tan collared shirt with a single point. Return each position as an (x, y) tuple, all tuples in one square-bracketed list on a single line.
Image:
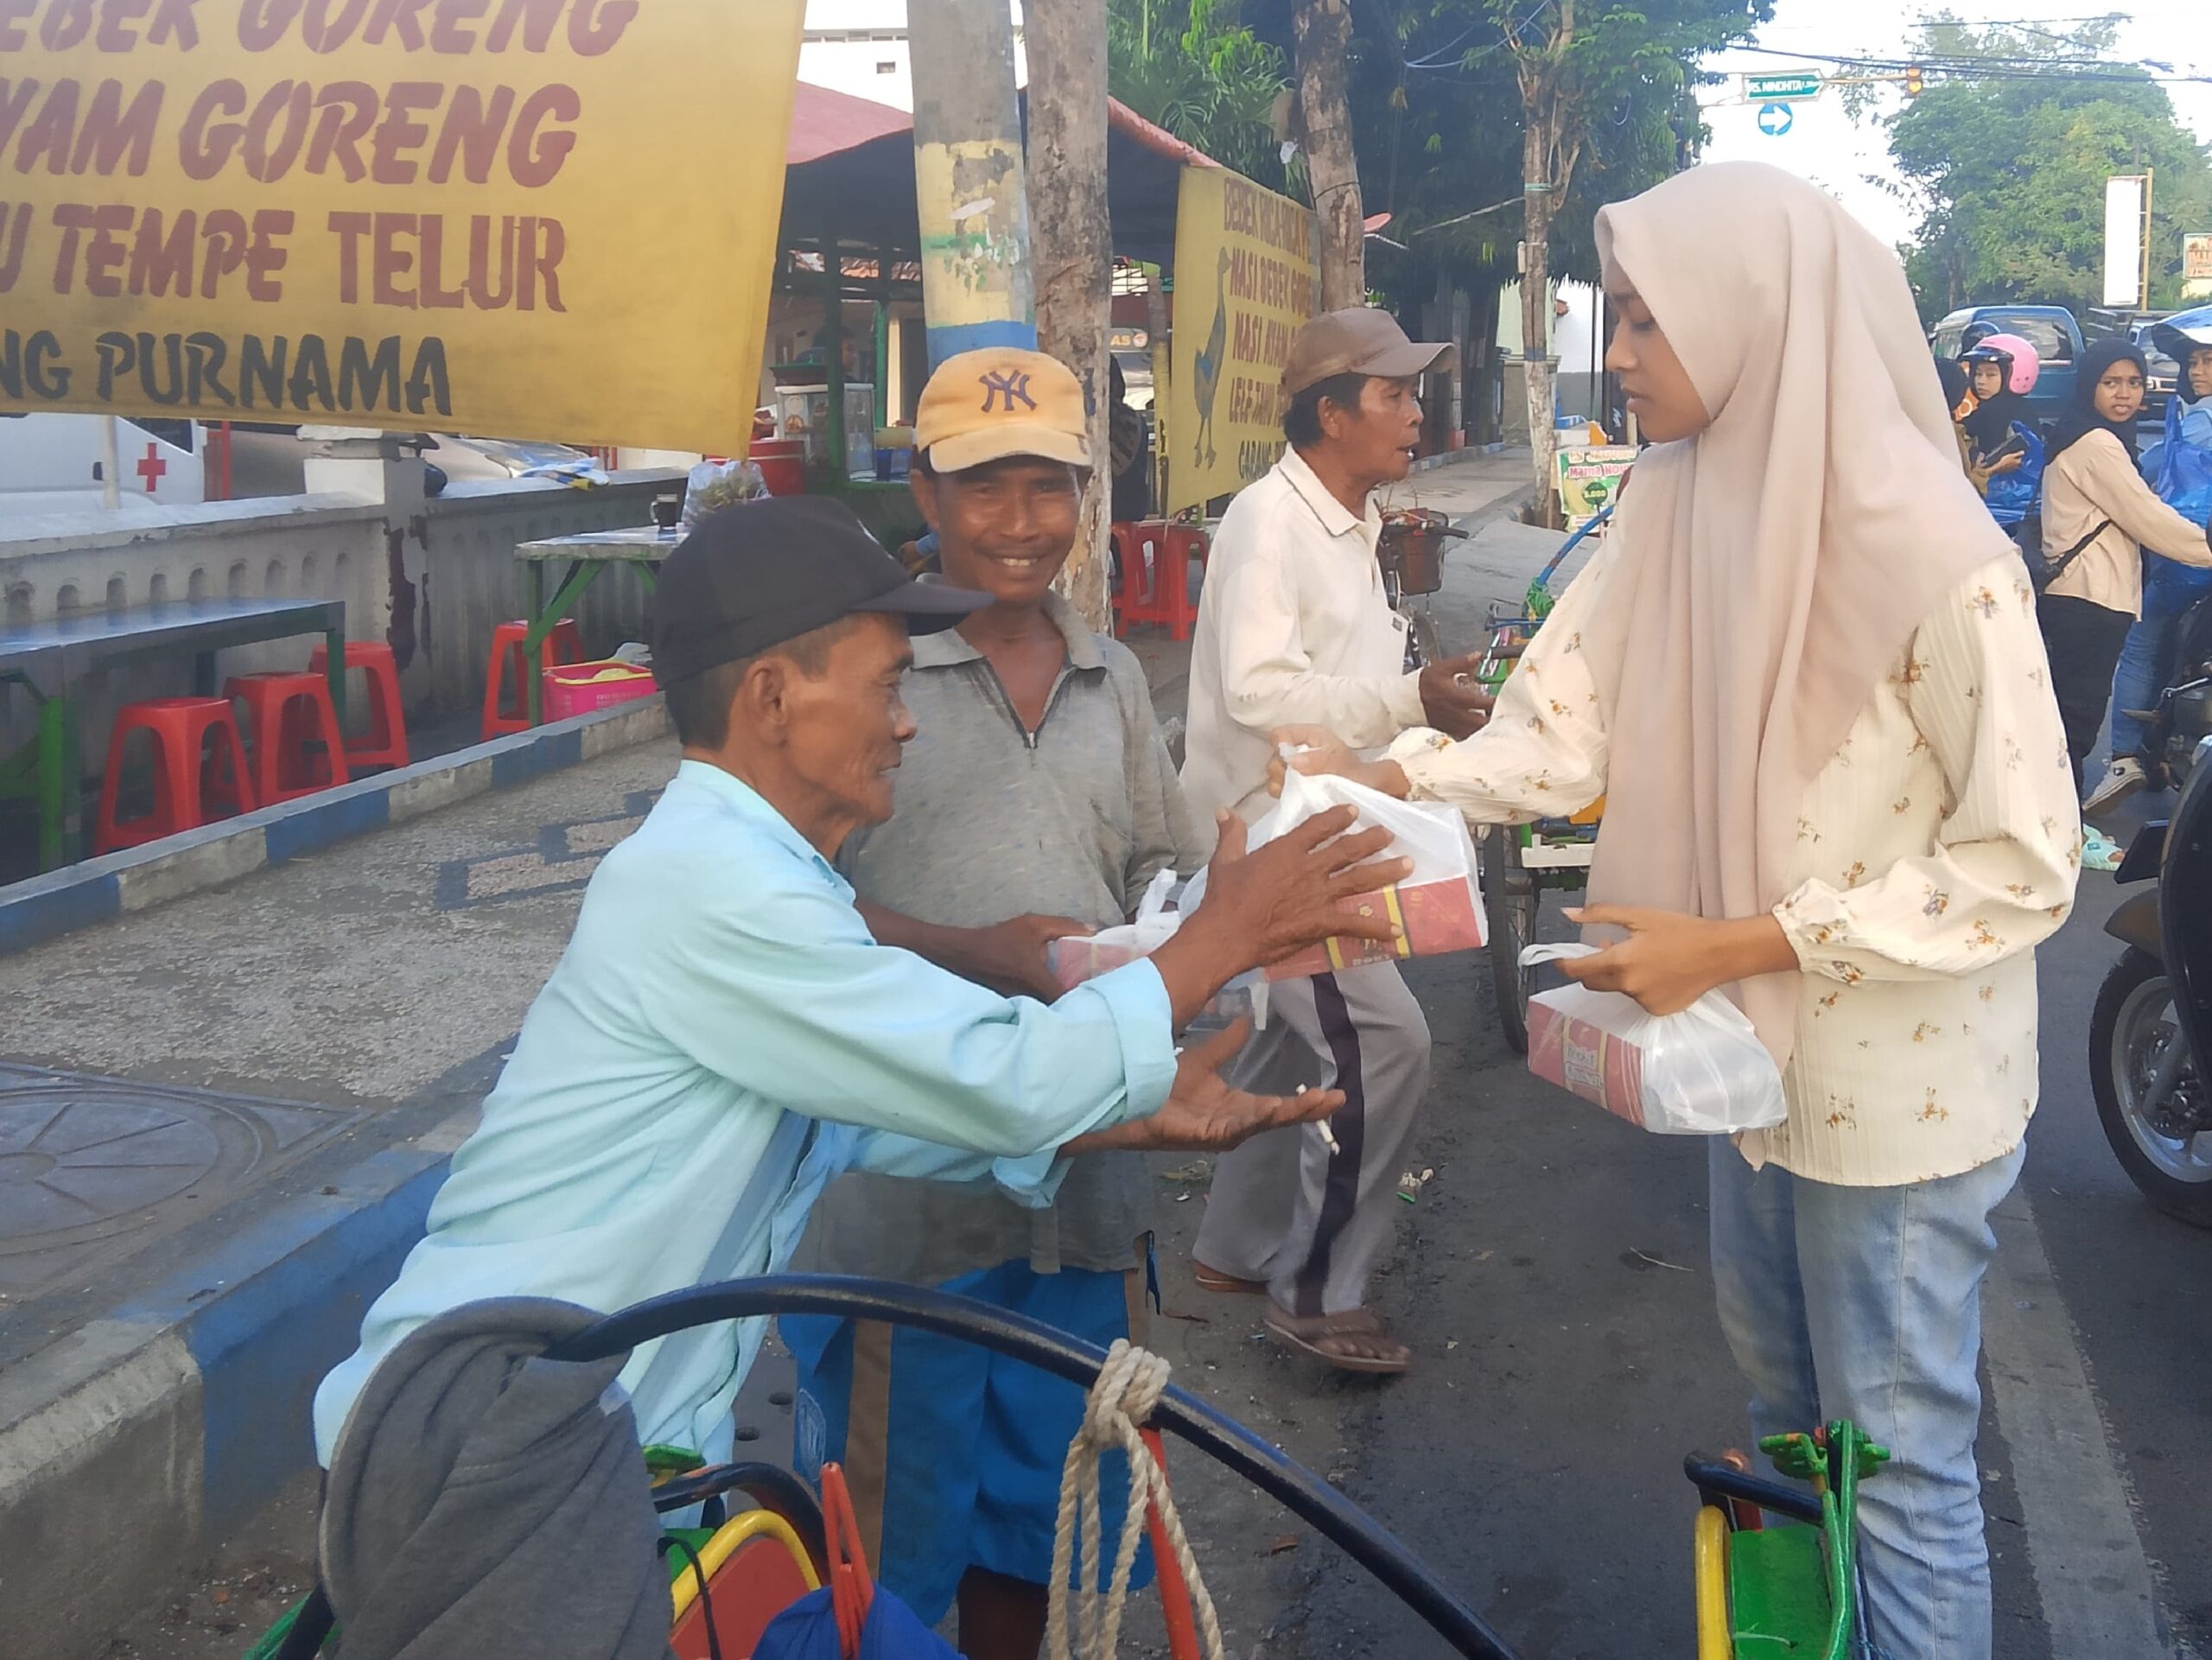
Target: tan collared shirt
[(1294, 630), (1934, 850), (2092, 481)]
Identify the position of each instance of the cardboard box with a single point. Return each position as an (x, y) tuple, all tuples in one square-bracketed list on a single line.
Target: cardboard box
[(1587, 1060), (1430, 918)]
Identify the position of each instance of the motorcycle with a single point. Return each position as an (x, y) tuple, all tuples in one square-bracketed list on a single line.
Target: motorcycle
[(2153, 1015)]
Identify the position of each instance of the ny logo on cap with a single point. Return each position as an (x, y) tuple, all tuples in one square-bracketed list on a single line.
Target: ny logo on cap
[(1008, 385)]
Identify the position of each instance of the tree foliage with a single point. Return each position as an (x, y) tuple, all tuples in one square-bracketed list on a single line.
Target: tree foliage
[(1191, 67), (2005, 157), (1437, 97)]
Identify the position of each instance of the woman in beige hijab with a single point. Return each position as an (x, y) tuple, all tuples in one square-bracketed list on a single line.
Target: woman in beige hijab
[(1805, 675)]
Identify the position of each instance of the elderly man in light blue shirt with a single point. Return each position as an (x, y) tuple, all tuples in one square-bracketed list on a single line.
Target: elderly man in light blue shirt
[(723, 1035)]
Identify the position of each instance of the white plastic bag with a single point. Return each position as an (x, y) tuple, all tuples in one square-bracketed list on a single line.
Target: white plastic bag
[(1437, 907), (1079, 958), (1700, 1072)]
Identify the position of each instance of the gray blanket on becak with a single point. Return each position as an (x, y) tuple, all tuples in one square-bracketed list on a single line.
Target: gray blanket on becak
[(485, 1502)]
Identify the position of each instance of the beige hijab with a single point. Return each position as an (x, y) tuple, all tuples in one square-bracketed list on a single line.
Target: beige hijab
[(1770, 570)]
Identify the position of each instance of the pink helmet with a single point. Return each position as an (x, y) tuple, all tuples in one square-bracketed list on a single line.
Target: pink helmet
[(2011, 353)]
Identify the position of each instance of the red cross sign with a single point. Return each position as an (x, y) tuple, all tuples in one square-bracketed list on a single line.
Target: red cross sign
[(153, 466)]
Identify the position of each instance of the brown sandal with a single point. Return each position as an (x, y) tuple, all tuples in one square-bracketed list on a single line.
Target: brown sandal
[(1212, 1279), (1312, 1332)]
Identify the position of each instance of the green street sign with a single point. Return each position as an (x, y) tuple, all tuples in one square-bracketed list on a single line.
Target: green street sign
[(1781, 89)]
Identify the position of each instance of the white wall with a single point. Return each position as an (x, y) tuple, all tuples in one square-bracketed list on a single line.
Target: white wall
[(829, 55)]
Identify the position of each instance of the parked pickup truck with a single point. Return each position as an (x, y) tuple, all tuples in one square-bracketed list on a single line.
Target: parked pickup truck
[(2050, 329)]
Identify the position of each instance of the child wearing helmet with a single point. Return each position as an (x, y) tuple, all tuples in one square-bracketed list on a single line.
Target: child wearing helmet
[(2004, 370)]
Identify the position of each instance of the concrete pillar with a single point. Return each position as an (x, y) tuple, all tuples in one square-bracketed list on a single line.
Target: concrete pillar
[(977, 282)]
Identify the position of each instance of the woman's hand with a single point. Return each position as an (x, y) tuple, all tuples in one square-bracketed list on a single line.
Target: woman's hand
[(2012, 463), (1323, 754), (1669, 960)]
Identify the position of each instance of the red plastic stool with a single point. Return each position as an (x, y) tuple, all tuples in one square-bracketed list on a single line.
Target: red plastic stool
[(385, 743), (298, 746), (506, 705), (1155, 585), (187, 790)]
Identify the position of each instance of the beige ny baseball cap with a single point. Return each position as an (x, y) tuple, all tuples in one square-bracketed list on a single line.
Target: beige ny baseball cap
[(985, 405), (1359, 340)]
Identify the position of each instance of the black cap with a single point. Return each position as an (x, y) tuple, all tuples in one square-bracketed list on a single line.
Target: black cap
[(758, 573)]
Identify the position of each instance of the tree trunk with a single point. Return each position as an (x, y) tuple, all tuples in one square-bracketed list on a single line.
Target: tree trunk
[(1482, 366), (1538, 136), (1321, 31), (1066, 41)]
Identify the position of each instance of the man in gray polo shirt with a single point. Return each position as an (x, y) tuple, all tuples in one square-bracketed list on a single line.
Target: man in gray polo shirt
[(1038, 801)]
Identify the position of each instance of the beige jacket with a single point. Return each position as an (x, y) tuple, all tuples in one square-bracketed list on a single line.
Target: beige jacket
[(1934, 850), (2092, 479)]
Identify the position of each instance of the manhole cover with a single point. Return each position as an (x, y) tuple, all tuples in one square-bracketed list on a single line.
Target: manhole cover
[(91, 1169)]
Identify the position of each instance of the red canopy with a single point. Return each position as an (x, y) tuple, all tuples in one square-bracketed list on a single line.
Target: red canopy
[(824, 123)]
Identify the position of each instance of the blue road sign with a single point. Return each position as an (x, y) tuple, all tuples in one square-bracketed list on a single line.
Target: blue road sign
[(1775, 119)]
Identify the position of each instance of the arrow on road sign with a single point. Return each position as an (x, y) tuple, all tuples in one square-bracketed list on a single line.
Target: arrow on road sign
[(1775, 119)]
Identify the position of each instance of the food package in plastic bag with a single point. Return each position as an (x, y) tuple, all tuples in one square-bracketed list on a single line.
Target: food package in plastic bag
[(1702, 1072), (1437, 908), (1077, 957), (719, 484)]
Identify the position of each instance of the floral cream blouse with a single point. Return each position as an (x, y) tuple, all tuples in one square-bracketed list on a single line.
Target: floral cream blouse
[(1936, 848)]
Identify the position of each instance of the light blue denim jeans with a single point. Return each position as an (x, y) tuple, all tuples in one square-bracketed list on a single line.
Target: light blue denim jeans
[(2139, 678), (1866, 1303)]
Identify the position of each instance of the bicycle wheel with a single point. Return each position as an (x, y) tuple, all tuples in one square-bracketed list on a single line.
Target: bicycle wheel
[(1510, 898)]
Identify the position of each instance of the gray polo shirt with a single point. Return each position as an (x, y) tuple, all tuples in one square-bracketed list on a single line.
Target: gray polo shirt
[(988, 822)]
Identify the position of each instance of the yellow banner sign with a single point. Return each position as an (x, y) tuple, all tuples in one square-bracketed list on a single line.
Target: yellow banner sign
[(530, 218), (1245, 280)]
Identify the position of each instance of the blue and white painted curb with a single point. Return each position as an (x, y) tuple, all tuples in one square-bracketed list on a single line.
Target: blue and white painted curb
[(147, 1436), (62, 901)]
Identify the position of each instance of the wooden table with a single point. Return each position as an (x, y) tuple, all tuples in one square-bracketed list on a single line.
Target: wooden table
[(585, 556), (48, 659)]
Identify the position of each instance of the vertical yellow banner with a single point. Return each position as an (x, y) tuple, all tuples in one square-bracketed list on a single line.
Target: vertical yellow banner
[(1245, 280), (533, 219)]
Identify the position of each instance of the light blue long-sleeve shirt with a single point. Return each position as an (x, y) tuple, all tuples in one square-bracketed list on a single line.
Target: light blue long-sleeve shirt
[(721, 1038)]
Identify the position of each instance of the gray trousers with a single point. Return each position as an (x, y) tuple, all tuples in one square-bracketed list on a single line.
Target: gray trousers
[(1285, 1210)]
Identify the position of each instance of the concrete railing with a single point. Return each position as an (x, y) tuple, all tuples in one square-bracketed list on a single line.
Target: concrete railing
[(328, 546), (433, 576)]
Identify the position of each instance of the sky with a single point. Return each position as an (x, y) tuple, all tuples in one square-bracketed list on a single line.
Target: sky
[(1824, 144)]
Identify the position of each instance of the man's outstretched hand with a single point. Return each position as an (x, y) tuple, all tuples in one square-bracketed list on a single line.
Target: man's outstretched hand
[(1272, 903), (1204, 1115)]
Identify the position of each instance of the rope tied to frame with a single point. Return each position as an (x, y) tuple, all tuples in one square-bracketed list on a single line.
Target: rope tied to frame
[(1128, 1388)]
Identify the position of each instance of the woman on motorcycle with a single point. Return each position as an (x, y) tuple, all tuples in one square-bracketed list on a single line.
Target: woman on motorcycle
[(2170, 589), (2098, 518), (1805, 675)]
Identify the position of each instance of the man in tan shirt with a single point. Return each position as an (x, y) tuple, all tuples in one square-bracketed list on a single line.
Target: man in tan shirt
[(1293, 629)]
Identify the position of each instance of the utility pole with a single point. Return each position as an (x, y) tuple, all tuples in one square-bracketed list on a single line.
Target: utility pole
[(1321, 38), (1551, 144), (1066, 42), (976, 280)]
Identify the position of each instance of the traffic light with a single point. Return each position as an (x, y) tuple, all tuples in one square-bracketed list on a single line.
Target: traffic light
[(1912, 81)]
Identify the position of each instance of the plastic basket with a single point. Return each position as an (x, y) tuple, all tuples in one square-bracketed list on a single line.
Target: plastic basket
[(575, 689)]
